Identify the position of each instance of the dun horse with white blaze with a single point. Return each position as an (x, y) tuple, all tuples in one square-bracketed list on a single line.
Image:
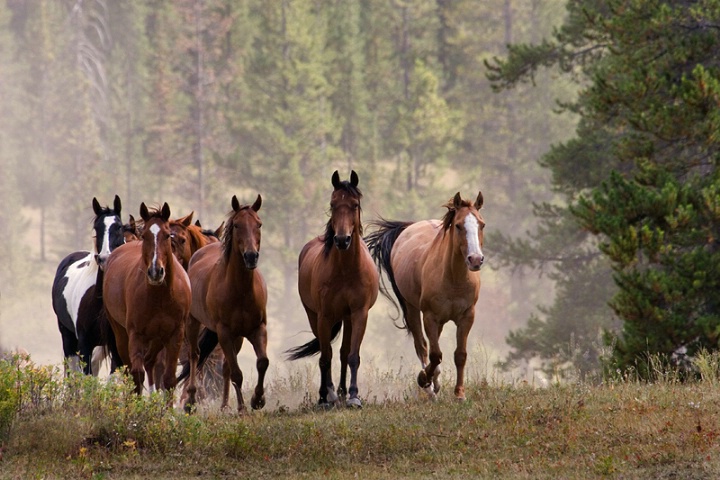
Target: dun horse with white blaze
[(433, 267)]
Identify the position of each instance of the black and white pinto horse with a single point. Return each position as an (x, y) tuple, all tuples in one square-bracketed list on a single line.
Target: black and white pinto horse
[(76, 299)]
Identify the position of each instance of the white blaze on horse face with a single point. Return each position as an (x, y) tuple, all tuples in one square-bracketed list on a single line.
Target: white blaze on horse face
[(472, 228), (105, 248), (155, 229)]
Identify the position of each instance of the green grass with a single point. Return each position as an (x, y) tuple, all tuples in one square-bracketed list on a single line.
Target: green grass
[(97, 429)]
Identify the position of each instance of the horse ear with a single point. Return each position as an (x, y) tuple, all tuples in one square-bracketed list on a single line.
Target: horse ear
[(96, 206), (258, 202), (479, 201), (235, 203), (165, 212), (336, 179), (117, 206), (186, 220), (144, 214), (220, 229), (131, 222), (354, 180), (197, 223), (457, 200)]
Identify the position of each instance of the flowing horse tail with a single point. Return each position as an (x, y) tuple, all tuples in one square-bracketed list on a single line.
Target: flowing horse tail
[(207, 343), (380, 244), (312, 347)]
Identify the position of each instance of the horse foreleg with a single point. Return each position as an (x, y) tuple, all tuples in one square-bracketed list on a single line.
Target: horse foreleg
[(231, 369), (259, 343), (463, 330), (433, 329), (137, 362), (359, 322), (192, 331), (172, 353), (327, 389), (344, 352)]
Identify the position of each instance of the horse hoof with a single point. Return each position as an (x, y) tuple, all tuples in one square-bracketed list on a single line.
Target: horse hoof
[(430, 392), (353, 402), (190, 408), (257, 403), (325, 405), (423, 380)]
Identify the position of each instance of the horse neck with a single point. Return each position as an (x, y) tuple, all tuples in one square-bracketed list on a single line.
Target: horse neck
[(235, 269), (453, 262), (351, 257)]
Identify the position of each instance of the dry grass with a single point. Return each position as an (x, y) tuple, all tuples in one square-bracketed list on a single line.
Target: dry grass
[(84, 428)]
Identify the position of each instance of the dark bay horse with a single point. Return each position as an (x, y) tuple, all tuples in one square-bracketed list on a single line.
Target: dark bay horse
[(230, 299), (433, 267), (77, 290), (338, 284), (147, 300)]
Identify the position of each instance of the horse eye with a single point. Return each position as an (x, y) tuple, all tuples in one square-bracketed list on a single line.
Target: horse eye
[(458, 226)]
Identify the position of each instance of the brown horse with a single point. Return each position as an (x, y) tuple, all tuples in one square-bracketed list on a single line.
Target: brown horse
[(230, 299), (338, 284), (188, 238), (147, 300), (433, 267)]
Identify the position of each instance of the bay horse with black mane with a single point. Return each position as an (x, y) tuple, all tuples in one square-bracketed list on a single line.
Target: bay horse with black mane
[(338, 284), (147, 300), (77, 290), (230, 299), (433, 267)]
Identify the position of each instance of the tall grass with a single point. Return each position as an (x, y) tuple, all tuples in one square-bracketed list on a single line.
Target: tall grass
[(84, 427)]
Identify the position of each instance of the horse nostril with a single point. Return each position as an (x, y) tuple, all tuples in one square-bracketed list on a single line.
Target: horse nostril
[(342, 242)]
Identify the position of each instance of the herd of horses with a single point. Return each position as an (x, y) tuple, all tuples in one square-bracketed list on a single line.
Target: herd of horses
[(155, 288)]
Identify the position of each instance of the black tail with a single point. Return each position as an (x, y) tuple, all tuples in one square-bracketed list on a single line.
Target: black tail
[(380, 242), (207, 343), (312, 347)]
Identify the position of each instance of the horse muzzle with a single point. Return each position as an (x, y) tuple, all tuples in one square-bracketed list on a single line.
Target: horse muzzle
[(101, 260), (342, 242), (155, 275), (251, 259), (474, 262)]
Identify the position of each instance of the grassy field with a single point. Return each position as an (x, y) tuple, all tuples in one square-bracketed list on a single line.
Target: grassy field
[(89, 428)]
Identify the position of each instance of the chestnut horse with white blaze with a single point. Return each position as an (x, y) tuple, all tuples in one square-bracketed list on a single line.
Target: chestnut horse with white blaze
[(434, 269), (147, 300), (338, 284)]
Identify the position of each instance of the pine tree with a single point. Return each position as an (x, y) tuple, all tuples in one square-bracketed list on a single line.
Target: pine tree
[(650, 144)]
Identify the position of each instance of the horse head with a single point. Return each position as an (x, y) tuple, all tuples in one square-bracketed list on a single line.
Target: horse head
[(467, 226), (242, 232), (180, 239), (156, 247), (344, 211), (108, 230), (130, 230)]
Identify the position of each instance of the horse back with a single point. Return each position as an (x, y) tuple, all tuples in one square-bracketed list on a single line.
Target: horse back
[(409, 255), (199, 271), (75, 274), (124, 270), (323, 282)]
